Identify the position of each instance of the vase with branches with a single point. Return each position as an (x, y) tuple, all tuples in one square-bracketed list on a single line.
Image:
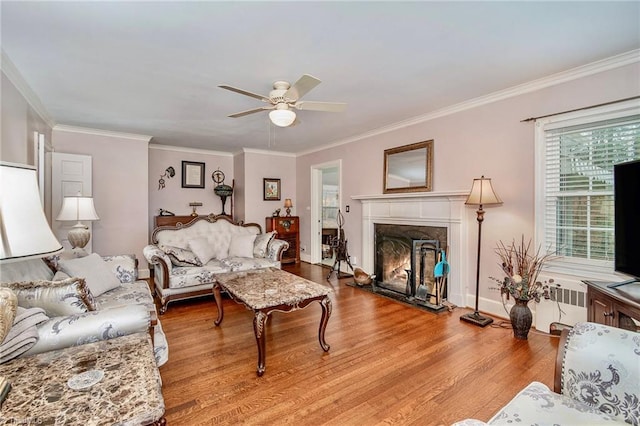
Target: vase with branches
[(521, 265)]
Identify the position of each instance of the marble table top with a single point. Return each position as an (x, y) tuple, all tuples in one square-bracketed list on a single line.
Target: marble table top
[(128, 394), (268, 287)]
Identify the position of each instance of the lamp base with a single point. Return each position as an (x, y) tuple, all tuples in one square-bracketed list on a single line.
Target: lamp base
[(288, 210), (476, 319), (79, 235)]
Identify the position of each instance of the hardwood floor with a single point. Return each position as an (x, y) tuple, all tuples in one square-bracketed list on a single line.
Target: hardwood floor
[(388, 364)]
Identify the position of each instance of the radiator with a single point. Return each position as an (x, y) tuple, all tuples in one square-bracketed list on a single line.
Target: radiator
[(570, 297)]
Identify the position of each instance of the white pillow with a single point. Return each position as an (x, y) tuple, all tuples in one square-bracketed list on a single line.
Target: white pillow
[(94, 270), (261, 244), (203, 250), (242, 245)]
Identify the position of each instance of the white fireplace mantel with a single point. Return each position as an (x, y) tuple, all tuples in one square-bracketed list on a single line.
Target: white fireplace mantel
[(443, 209)]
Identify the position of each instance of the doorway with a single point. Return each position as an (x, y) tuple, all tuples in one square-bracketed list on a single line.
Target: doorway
[(325, 202)]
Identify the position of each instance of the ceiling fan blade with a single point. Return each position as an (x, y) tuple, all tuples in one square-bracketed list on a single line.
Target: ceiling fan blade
[(244, 92), (321, 106), (301, 87), (251, 111)]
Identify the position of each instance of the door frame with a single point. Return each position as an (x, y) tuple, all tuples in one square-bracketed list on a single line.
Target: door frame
[(316, 205)]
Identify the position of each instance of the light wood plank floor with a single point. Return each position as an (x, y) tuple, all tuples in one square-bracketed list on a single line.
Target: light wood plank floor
[(388, 364)]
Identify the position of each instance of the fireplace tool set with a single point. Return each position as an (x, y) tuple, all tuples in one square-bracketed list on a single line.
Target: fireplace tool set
[(339, 246), (435, 300)]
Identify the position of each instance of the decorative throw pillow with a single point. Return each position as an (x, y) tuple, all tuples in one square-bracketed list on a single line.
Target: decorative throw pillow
[(242, 245), (8, 307), (180, 256), (261, 243), (57, 298), (202, 249), (94, 270)]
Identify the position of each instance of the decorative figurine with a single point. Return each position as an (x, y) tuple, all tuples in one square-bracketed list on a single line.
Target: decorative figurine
[(164, 212), (276, 213), (168, 173)]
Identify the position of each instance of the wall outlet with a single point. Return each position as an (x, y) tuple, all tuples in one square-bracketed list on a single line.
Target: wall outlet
[(354, 260)]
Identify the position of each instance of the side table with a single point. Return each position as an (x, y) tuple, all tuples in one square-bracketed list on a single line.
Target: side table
[(128, 394)]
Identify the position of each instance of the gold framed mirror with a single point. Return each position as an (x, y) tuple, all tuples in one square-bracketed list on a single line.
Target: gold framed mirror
[(408, 168)]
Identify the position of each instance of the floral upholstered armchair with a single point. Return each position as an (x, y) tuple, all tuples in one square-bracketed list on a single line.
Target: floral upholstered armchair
[(597, 381)]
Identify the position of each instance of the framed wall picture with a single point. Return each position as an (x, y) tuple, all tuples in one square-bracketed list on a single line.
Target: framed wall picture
[(192, 174), (271, 189)]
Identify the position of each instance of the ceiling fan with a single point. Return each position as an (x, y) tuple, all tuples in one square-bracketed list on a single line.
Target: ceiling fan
[(284, 98)]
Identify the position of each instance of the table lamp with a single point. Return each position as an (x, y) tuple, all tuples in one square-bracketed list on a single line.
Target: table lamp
[(288, 204), (78, 208), (25, 231)]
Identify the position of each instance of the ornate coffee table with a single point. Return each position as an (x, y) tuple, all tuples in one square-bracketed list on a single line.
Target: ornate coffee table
[(269, 290)]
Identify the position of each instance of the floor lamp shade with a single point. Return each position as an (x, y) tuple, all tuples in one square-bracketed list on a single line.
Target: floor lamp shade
[(78, 208), (482, 193), (25, 231)]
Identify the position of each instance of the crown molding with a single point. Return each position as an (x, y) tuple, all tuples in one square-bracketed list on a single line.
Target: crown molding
[(607, 64), (16, 78), (189, 150), (266, 152), (98, 132)]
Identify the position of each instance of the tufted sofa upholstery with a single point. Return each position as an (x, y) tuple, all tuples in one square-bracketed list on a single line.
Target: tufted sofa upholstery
[(597, 382), (173, 282), (125, 309)]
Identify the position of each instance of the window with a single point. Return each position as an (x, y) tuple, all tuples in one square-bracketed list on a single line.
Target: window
[(574, 197)]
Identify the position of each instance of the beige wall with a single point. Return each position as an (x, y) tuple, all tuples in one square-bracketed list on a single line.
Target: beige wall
[(487, 140), (238, 192), (120, 188), (175, 198), (259, 165), (18, 122)]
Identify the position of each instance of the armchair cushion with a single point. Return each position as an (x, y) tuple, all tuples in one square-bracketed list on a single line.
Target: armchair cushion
[(67, 297), (261, 244), (79, 329), (242, 245), (94, 270), (180, 256)]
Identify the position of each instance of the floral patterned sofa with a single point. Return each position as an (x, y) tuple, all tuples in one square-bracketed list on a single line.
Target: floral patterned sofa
[(101, 299), (187, 257), (597, 381)]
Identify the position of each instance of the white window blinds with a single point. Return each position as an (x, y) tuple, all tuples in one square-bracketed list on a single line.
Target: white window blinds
[(578, 185)]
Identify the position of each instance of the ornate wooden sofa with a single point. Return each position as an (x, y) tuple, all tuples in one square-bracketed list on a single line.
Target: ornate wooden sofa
[(186, 258)]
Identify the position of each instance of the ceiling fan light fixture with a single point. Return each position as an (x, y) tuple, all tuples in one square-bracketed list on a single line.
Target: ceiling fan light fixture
[(282, 117)]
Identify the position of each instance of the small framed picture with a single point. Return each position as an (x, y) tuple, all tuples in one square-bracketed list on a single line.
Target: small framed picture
[(271, 189), (192, 174)]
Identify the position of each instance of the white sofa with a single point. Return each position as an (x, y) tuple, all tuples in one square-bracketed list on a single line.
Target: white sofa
[(187, 257), (597, 382), (125, 307)]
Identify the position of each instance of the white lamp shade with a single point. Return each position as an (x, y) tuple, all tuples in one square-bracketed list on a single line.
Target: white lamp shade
[(282, 117), (77, 208), (482, 193), (25, 231)]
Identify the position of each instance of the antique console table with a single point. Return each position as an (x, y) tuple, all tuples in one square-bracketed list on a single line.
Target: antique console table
[(617, 307), (268, 290), (58, 387)]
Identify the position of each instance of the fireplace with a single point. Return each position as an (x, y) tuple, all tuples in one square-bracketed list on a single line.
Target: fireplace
[(405, 257), (442, 212)]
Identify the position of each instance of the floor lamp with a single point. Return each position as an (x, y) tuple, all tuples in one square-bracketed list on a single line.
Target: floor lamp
[(482, 193)]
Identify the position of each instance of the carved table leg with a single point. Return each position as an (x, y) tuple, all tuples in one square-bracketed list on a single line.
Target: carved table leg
[(218, 298), (259, 322), (326, 313)]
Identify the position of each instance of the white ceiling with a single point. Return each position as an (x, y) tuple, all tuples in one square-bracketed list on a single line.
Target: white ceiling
[(153, 68)]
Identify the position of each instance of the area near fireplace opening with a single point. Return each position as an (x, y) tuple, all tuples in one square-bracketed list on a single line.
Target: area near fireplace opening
[(405, 259)]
